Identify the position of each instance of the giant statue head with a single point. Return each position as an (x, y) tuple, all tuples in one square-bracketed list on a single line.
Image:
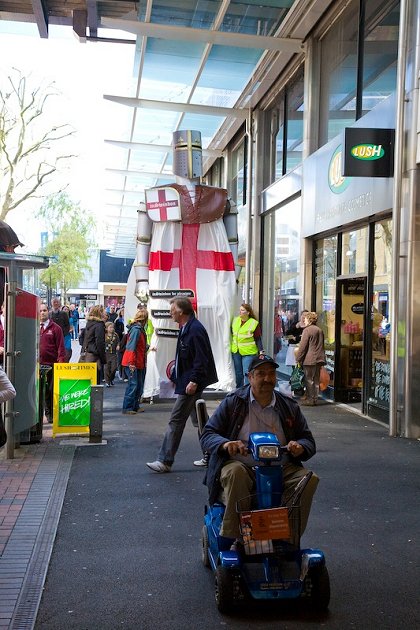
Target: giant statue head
[(187, 155)]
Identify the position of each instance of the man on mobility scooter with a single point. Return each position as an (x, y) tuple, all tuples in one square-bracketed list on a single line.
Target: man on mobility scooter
[(256, 408)]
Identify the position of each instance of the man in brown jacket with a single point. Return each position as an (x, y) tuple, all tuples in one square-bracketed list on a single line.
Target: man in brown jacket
[(311, 356)]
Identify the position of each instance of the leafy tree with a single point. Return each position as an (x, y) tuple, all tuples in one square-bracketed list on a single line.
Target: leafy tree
[(71, 230), (26, 163)]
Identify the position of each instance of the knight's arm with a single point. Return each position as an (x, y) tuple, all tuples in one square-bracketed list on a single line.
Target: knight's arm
[(144, 237), (230, 219)]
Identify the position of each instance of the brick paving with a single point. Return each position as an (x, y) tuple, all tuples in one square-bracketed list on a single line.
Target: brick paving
[(27, 486)]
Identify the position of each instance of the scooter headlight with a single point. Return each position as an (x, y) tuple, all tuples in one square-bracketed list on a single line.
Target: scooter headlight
[(268, 451)]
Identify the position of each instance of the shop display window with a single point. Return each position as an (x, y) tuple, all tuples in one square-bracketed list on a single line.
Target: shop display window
[(355, 247), (325, 294), (282, 282), (380, 321)]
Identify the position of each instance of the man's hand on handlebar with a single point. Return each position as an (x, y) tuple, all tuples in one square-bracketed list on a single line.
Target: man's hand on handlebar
[(295, 449), (236, 447)]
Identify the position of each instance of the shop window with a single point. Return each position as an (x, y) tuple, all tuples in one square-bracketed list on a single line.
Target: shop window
[(339, 74), (288, 119), (285, 298), (355, 251), (325, 294), (381, 325)]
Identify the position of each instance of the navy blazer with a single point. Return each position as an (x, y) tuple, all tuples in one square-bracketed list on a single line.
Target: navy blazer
[(194, 359)]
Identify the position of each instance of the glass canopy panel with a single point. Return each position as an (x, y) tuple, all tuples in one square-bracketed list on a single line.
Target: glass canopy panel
[(170, 68), (255, 17), (154, 126), (116, 119), (207, 125), (144, 160), (225, 75), (191, 13)]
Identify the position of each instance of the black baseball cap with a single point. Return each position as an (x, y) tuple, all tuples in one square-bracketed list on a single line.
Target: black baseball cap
[(261, 359)]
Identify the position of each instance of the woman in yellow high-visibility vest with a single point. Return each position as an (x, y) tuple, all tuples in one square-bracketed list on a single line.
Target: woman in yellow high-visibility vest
[(246, 342)]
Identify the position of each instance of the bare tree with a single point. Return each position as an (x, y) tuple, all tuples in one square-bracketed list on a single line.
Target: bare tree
[(25, 142)]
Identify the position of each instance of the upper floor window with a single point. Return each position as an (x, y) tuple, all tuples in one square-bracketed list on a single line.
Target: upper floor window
[(358, 63), (287, 120)]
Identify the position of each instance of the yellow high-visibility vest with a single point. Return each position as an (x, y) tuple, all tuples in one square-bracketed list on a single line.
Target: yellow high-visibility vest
[(149, 331), (243, 336)]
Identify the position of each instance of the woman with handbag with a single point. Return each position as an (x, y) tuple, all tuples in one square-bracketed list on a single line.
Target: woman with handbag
[(94, 339), (311, 356)]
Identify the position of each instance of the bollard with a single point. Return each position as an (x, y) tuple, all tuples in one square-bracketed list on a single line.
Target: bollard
[(96, 413)]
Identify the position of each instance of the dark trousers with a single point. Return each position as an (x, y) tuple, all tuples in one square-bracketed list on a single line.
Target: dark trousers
[(46, 389), (110, 367)]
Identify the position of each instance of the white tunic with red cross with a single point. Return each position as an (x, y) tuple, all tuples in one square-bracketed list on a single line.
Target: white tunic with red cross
[(193, 255)]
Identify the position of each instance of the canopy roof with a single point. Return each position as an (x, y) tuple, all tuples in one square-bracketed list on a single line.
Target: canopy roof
[(197, 64)]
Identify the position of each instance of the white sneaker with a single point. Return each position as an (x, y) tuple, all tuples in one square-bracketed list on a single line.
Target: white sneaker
[(158, 467), (201, 462)]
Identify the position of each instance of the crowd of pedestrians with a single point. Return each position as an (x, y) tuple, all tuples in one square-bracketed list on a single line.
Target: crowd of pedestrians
[(118, 348)]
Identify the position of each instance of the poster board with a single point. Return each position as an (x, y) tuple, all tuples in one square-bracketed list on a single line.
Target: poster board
[(71, 397)]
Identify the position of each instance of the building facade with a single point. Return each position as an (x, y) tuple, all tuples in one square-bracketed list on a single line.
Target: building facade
[(313, 236)]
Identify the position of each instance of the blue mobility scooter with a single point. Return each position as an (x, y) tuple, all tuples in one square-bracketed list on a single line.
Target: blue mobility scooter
[(271, 565)]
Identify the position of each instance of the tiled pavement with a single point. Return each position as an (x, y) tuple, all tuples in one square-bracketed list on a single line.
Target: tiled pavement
[(32, 487)]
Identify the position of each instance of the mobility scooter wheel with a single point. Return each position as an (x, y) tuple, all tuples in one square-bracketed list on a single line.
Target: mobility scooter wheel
[(205, 547), (224, 589), (320, 592)]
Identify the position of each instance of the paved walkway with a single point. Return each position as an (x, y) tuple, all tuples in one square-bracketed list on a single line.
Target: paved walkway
[(33, 486)]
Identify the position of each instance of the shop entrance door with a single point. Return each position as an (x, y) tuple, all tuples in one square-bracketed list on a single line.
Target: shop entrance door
[(350, 345)]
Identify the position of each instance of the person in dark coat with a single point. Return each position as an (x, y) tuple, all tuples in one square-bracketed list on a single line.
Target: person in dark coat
[(51, 350), (194, 370), (311, 356), (255, 407), (94, 338)]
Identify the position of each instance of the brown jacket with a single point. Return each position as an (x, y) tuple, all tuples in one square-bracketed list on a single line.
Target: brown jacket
[(311, 347)]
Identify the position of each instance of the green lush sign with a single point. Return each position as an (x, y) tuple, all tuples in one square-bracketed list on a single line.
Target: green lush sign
[(74, 403), (368, 152)]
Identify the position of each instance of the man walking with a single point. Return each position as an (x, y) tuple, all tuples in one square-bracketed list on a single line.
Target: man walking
[(194, 370), (61, 318), (51, 350)]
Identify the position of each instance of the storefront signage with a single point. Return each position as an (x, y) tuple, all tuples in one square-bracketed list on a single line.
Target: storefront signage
[(88, 296), (331, 198), (336, 181), (358, 308), (368, 152), (381, 382)]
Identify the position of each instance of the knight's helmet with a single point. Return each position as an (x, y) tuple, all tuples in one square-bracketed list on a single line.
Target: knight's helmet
[(187, 156)]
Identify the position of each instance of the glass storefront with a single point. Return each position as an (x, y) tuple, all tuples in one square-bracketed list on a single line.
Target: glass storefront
[(379, 377), (282, 290), (357, 332)]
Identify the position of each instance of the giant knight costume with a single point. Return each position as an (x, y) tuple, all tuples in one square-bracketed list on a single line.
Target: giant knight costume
[(186, 244)]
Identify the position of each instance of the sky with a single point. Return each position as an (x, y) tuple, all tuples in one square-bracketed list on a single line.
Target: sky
[(82, 73)]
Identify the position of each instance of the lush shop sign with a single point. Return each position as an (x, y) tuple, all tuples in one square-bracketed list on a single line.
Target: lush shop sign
[(368, 152)]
